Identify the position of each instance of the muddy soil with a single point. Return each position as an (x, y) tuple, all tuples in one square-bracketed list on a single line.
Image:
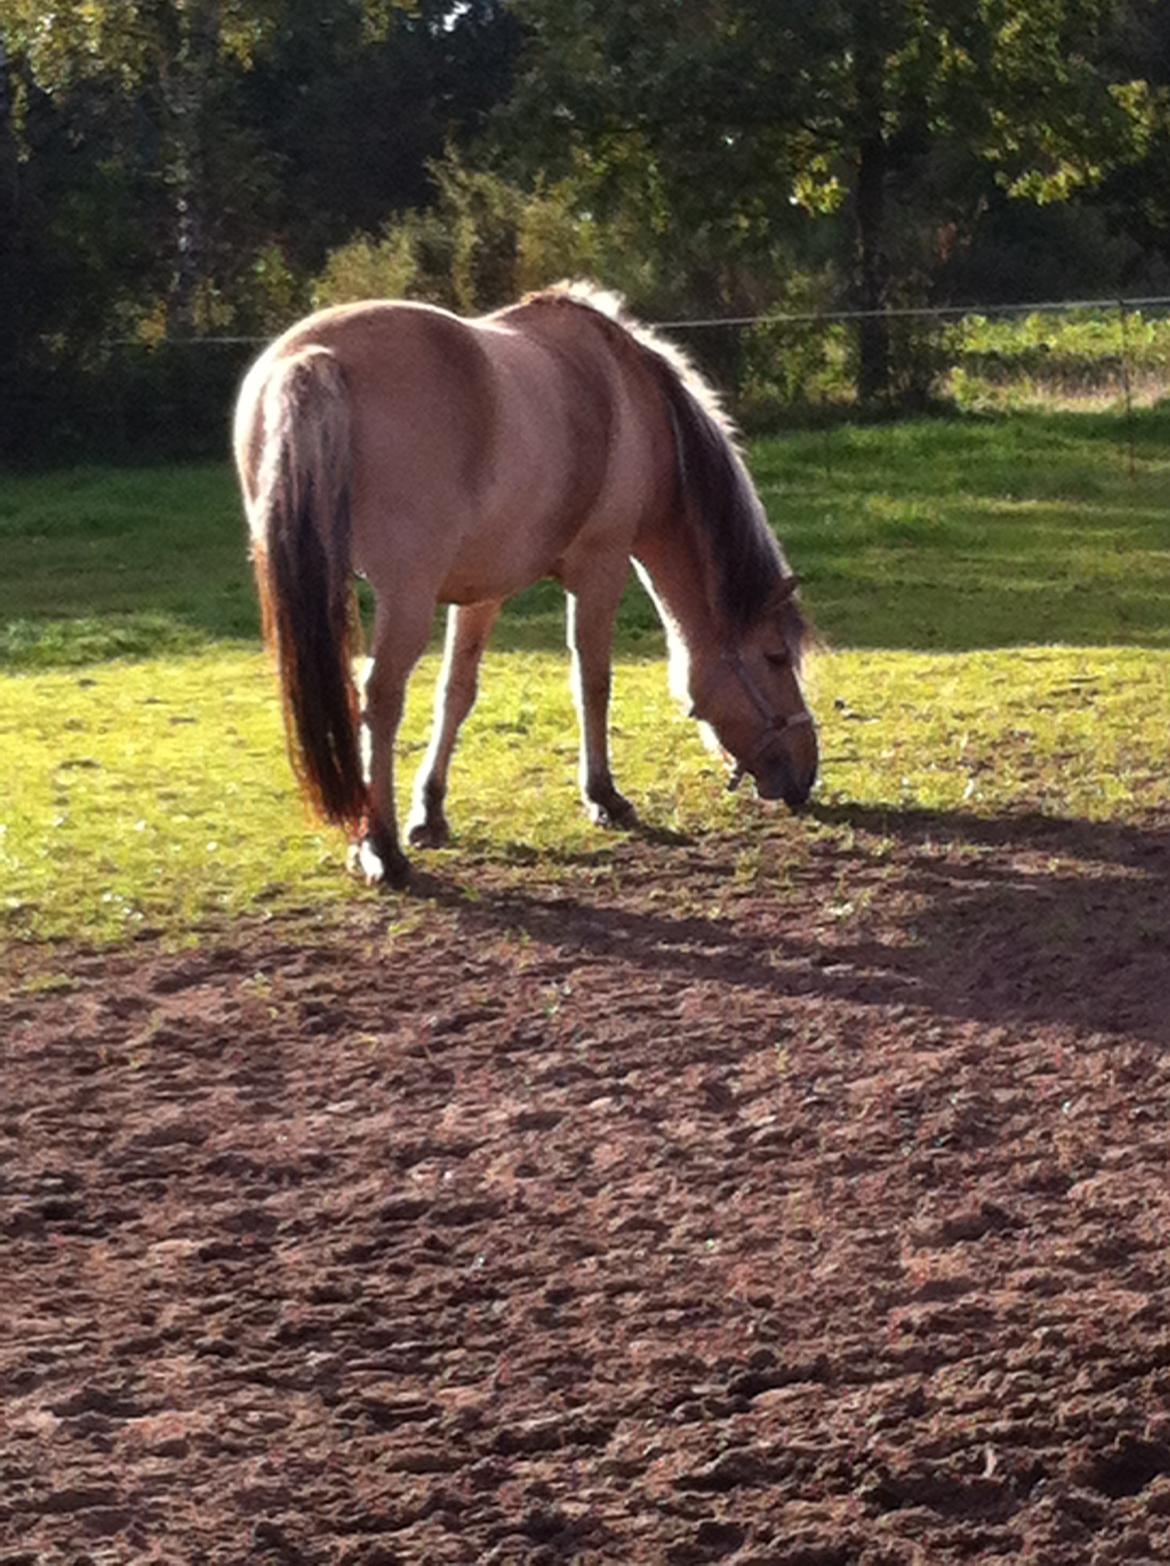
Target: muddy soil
[(729, 1202)]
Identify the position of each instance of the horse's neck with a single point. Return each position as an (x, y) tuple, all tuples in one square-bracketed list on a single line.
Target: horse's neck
[(675, 574)]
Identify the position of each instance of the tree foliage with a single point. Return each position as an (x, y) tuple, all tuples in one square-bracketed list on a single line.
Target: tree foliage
[(173, 168), (902, 118)]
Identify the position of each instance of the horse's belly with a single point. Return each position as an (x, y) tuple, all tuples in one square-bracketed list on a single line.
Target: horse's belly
[(493, 565)]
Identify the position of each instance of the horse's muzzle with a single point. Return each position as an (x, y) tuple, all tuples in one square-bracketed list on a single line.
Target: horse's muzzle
[(780, 785)]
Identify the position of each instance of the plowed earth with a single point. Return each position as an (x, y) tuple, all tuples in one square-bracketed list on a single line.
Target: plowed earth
[(807, 1212)]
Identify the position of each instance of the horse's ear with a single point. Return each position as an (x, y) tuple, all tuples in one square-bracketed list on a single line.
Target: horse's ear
[(784, 590)]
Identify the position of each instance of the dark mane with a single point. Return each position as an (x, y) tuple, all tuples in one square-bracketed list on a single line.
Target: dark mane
[(719, 503), (718, 499)]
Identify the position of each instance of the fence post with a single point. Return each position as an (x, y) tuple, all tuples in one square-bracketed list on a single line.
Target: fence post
[(1127, 387)]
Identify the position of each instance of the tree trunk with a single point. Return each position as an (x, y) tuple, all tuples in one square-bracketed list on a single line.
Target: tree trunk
[(185, 88), (10, 313), (873, 360)]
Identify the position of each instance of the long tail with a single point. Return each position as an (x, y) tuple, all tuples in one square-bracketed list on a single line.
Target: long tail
[(301, 553)]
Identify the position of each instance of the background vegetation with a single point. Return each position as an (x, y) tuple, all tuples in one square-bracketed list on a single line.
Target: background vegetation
[(174, 170)]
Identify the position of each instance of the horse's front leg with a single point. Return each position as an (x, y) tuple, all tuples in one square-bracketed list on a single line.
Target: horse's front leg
[(468, 629), (399, 639), (593, 607)]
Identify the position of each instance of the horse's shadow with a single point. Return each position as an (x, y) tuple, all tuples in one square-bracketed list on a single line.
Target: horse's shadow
[(1032, 917), (1011, 919)]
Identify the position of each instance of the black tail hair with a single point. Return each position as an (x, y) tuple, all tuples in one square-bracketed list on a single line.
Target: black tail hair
[(302, 562)]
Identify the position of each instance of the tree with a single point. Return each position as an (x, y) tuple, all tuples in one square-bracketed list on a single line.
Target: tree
[(260, 127), (1136, 195), (354, 115), (166, 56), (9, 223), (170, 167), (747, 109)]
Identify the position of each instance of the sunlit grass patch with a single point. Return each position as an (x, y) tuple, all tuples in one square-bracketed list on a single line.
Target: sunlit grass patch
[(1069, 733), (143, 779), (157, 794), (132, 791), (1059, 359)]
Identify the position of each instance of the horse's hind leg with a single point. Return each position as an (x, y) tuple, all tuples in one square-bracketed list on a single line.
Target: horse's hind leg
[(593, 606), (399, 638), (468, 629)]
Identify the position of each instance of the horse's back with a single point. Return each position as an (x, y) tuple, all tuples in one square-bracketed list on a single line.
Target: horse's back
[(601, 425), (481, 449)]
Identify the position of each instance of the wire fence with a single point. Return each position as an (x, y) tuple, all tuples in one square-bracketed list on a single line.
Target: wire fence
[(1160, 302), (924, 312), (776, 368)]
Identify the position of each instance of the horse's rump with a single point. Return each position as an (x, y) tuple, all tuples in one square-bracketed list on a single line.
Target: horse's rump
[(422, 398)]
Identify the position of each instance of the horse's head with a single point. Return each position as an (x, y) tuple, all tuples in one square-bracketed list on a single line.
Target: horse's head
[(750, 699)]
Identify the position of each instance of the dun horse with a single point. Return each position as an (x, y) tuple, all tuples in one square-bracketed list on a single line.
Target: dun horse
[(458, 462)]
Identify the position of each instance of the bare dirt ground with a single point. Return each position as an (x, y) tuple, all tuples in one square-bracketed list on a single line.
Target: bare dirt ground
[(803, 1208)]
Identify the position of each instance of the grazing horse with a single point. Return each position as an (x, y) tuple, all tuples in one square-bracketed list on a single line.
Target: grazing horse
[(457, 462)]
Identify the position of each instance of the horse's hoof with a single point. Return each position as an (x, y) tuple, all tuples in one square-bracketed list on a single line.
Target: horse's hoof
[(377, 867), (616, 813), (428, 832)]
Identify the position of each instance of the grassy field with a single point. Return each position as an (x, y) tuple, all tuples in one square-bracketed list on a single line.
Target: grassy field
[(1046, 356), (996, 593)]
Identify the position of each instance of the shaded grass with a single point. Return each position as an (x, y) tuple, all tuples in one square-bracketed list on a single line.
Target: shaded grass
[(101, 563), (142, 778), (964, 534), (930, 535)]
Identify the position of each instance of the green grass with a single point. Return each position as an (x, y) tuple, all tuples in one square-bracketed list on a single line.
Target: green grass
[(1075, 359), (1077, 353), (143, 783), (105, 563), (975, 533)]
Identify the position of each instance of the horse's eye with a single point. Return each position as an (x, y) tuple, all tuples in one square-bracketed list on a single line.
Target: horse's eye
[(778, 660)]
